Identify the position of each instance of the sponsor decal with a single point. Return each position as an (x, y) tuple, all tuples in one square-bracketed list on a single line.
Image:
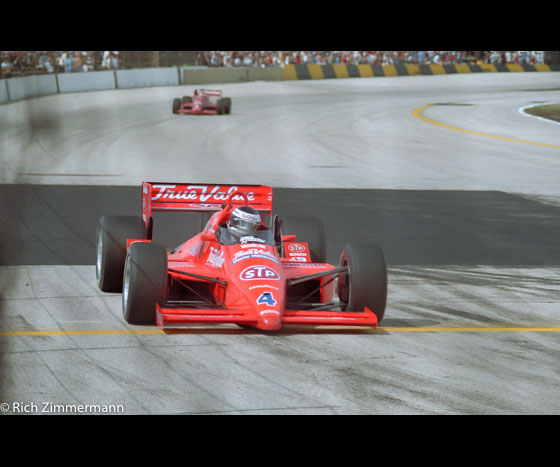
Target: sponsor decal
[(263, 286), (259, 272), (215, 257), (251, 251), (245, 215), (198, 193), (254, 253), (180, 264), (303, 259), (297, 251), (276, 312), (306, 265), (250, 238)]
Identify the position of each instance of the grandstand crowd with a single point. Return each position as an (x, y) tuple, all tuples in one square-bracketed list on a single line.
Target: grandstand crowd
[(278, 58), (21, 63)]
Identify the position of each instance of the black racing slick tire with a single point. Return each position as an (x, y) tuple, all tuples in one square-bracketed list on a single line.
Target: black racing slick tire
[(220, 106), (144, 282), (365, 284), (112, 234), (176, 105), (308, 230), (227, 105), (186, 100)]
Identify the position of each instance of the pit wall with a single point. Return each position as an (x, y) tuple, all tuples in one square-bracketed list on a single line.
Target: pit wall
[(15, 89)]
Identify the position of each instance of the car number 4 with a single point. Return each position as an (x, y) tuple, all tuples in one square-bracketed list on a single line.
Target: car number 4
[(266, 298)]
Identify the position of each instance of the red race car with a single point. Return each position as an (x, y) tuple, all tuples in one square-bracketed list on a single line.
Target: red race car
[(237, 270), (204, 102)]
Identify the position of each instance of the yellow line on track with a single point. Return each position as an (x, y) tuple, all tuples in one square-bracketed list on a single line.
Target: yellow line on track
[(417, 114)]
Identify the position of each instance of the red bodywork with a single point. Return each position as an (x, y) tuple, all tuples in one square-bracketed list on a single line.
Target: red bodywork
[(203, 103), (246, 283)]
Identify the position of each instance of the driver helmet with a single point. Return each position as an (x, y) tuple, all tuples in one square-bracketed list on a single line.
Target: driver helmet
[(244, 220)]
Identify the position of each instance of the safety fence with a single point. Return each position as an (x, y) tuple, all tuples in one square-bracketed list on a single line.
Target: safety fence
[(14, 89)]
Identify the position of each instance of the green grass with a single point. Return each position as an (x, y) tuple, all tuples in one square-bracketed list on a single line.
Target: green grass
[(550, 111)]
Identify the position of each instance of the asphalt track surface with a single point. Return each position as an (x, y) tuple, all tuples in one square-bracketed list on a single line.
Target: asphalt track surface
[(457, 186)]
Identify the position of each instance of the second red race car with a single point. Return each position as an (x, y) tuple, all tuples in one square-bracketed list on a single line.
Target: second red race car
[(237, 269), (204, 102)]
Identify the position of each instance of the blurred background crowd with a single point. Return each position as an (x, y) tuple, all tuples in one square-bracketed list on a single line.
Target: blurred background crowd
[(21, 63), (278, 58)]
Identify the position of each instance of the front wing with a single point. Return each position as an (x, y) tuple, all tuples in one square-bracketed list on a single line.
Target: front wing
[(170, 317), (205, 111)]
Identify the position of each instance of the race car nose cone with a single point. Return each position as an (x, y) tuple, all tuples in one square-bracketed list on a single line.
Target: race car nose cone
[(269, 321)]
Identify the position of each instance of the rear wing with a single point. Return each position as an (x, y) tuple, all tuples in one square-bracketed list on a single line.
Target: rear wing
[(209, 92), (199, 197)]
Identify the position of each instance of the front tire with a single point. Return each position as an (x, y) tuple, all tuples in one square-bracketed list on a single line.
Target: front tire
[(144, 282), (365, 284)]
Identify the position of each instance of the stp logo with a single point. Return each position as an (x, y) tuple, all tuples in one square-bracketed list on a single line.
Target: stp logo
[(296, 247), (258, 273)]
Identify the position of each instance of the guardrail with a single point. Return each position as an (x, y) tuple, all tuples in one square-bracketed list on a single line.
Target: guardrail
[(14, 89)]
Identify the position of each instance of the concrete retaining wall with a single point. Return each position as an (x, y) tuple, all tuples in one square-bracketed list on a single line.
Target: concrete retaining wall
[(82, 82), (214, 75), (147, 77), (4, 91), (30, 86), (13, 89)]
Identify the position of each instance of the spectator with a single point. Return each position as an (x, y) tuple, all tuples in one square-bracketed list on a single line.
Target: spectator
[(44, 63), (215, 59), (110, 60), (78, 64), (88, 61), (7, 68), (67, 62), (247, 60)]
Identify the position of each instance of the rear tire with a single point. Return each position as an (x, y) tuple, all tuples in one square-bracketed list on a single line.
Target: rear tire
[(176, 105), (220, 106), (227, 107), (365, 285), (144, 282), (112, 233)]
